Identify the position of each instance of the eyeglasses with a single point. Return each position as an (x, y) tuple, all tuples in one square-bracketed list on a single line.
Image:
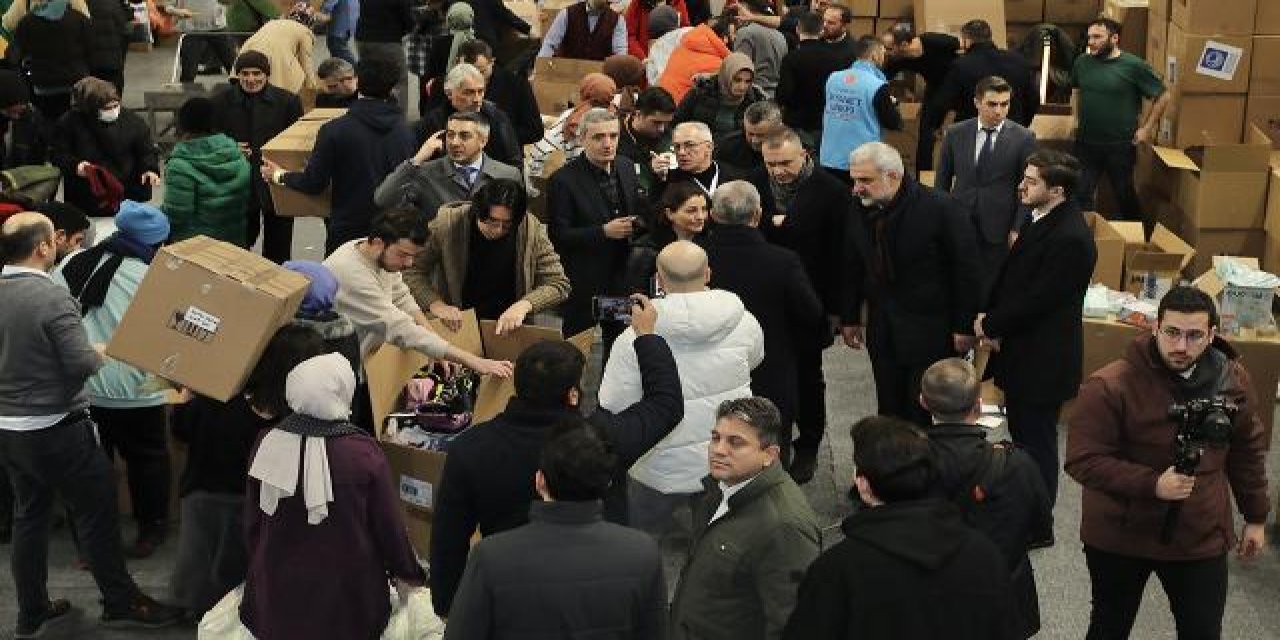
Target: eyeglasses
[(688, 146), (1193, 337)]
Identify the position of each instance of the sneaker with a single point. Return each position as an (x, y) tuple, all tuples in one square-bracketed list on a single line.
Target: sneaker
[(144, 613), (52, 616), (803, 464)]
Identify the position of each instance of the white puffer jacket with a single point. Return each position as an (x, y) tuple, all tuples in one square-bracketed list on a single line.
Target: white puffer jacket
[(716, 343)]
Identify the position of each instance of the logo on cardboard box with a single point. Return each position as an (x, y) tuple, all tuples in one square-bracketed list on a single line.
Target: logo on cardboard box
[(194, 322), (1219, 60)]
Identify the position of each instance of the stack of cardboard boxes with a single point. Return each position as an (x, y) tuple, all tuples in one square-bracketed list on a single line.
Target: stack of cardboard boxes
[(1069, 15), (1263, 106)]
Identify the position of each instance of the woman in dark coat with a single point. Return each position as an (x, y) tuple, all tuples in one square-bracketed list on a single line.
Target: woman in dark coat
[(98, 137), (324, 530), (722, 101), (681, 214)]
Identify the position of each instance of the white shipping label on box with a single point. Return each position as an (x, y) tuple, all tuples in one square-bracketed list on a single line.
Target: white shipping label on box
[(416, 492), (1219, 60)]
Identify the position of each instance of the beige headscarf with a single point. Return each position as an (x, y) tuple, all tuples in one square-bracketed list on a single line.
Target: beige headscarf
[(728, 69)]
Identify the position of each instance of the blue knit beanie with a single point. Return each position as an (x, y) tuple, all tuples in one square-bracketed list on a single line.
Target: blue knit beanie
[(142, 222), (323, 289)]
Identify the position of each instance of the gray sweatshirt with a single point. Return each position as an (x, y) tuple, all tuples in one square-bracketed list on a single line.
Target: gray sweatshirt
[(45, 355)]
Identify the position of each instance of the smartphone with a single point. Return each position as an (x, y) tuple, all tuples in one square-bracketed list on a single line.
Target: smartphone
[(611, 309)]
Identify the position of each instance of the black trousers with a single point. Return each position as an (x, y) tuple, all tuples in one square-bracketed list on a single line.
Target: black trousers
[(1197, 591), (811, 398), (276, 231), (196, 48), (138, 435), (1034, 427), (65, 460), (1116, 161), (898, 386), (928, 137), (6, 500), (991, 255)]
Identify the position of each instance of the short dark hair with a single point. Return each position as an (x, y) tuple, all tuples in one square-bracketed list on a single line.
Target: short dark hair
[(378, 76), (762, 111), (66, 218), (503, 192), (22, 242), (478, 117), (577, 461), (332, 67), (1057, 169), (655, 100), (902, 32), (1184, 299), (866, 45), (1110, 25), (471, 50), (291, 345), (846, 14), (399, 223), (977, 30), (809, 23), (894, 456), (992, 83), (546, 371), (760, 413)]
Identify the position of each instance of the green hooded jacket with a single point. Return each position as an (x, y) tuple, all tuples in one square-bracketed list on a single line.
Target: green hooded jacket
[(207, 189), (249, 15)]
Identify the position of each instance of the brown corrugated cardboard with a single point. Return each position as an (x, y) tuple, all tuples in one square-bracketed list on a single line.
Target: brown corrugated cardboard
[(203, 314), (863, 8), (947, 16), (896, 8), (1157, 44), (556, 84), (1267, 20), (862, 26), (1222, 186), (1211, 243), (1198, 63), (1068, 11), (1030, 11), (290, 149), (1151, 266), (1107, 340), (1215, 16), (906, 140), (1264, 77), (1199, 119), (1263, 112), (1210, 283), (1132, 16), (1109, 268), (1271, 256)]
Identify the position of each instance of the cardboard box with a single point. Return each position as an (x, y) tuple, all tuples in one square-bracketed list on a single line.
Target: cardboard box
[(1133, 18), (896, 8), (907, 140), (1215, 16), (1031, 11), (1016, 32), (416, 472), (1070, 11), (863, 8), (1109, 268), (1222, 186), (862, 27), (556, 88), (1214, 243), (204, 313), (1159, 11), (1264, 77), (1271, 254), (1267, 20), (1207, 63), (290, 149), (1263, 112), (1151, 267), (947, 16), (528, 11), (1157, 44), (1198, 119)]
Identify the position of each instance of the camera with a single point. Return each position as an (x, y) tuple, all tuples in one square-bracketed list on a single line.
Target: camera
[(611, 309), (1201, 423)]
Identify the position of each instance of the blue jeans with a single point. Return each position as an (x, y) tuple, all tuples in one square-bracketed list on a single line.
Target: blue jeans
[(340, 47)]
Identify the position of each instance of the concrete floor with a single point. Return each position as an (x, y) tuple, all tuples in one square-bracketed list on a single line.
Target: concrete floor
[(1063, 581)]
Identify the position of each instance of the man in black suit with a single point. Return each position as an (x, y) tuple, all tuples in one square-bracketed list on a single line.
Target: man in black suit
[(1032, 321), (742, 148), (913, 259), (804, 210), (983, 58), (694, 149), (774, 287), (928, 55), (802, 77), (594, 210), (981, 166), (464, 88)]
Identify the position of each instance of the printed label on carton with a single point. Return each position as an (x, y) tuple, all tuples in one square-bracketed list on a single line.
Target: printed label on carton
[(416, 492), (1219, 60), (196, 323)]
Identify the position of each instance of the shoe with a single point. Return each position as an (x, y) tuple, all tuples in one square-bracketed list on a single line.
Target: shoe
[(143, 613), (53, 616), (803, 464)]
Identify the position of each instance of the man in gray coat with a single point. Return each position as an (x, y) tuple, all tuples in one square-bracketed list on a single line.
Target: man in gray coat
[(537, 580), (981, 165), (465, 167)]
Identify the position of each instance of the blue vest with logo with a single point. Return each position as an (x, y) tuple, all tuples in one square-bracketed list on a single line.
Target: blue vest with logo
[(849, 119)]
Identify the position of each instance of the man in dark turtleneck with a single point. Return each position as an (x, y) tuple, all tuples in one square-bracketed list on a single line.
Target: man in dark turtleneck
[(694, 150)]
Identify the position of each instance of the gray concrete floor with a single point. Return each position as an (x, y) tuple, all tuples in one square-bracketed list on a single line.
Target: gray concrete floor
[(1063, 581)]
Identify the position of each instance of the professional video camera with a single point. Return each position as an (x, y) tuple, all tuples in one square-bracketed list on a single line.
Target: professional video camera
[(1202, 424)]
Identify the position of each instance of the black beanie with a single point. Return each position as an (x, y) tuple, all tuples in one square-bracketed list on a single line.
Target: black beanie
[(253, 60), (13, 90), (196, 116)]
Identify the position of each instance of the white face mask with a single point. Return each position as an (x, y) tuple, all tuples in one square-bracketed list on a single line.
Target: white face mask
[(109, 115)]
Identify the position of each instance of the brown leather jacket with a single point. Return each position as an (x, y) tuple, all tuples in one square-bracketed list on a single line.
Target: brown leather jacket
[(1120, 440)]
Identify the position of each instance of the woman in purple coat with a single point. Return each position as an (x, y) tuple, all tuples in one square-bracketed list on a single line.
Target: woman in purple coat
[(323, 528)]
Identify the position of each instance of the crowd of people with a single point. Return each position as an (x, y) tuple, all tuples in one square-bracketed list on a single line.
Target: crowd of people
[(727, 192)]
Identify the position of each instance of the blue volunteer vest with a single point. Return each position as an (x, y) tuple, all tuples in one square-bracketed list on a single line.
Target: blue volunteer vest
[(849, 119)]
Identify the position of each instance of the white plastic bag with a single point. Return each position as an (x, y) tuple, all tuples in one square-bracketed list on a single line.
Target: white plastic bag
[(222, 622), (415, 619)]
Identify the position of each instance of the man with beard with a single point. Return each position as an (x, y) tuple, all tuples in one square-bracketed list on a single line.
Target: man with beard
[(646, 133), (1033, 317), (1108, 88), (804, 210), (1120, 448), (914, 259)]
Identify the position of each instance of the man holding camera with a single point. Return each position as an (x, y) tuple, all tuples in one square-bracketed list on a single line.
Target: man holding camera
[(1160, 440)]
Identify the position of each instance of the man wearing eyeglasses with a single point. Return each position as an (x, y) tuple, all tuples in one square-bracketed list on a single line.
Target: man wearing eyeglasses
[(1120, 447), (694, 150), (1032, 320)]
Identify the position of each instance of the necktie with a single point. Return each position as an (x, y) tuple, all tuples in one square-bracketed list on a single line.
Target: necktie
[(468, 176), (985, 152)]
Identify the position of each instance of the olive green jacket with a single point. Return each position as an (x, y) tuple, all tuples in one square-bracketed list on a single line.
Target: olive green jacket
[(743, 570)]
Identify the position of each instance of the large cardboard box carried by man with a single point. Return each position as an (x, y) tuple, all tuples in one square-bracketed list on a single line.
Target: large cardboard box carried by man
[(291, 149)]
